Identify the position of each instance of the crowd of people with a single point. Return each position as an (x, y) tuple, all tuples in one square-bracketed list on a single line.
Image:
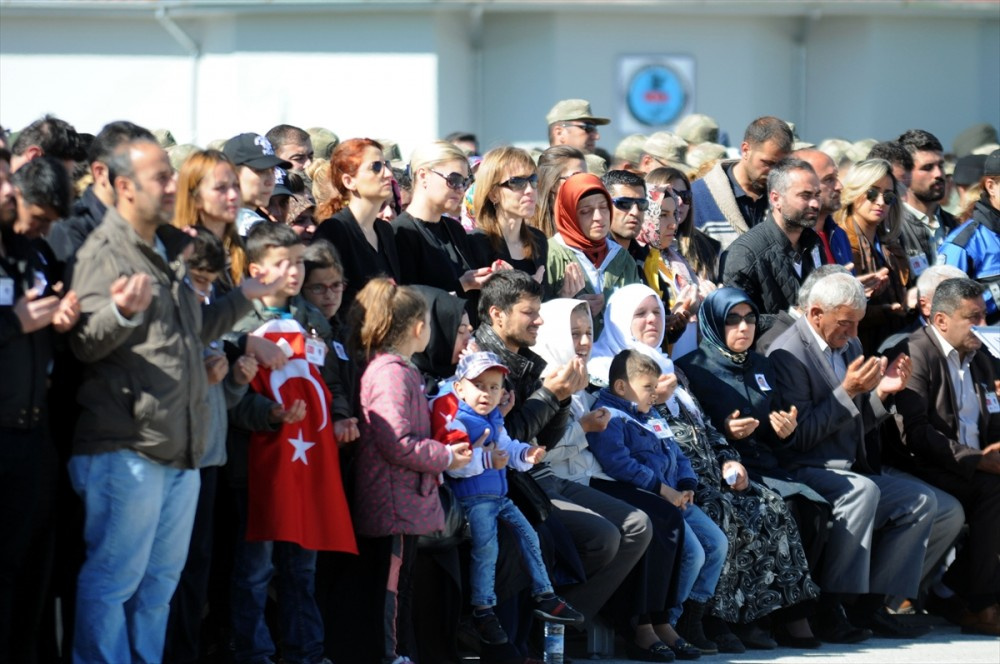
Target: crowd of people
[(270, 400)]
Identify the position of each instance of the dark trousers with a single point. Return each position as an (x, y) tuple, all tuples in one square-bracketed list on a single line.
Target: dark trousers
[(27, 495), (650, 589), (184, 626), (388, 567)]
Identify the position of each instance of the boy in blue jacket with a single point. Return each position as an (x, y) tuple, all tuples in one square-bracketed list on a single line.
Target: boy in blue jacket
[(470, 412), (637, 448)]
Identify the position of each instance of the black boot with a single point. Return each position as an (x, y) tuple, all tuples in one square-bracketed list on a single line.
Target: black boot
[(691, 630)]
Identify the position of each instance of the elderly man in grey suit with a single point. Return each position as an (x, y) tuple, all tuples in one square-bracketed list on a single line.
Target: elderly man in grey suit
[(881, 523)]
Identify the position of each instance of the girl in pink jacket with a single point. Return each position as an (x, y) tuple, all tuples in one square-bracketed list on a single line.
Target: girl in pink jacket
[(398, 465)]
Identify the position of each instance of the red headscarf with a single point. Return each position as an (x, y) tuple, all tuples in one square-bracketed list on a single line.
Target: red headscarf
[(573, 189)]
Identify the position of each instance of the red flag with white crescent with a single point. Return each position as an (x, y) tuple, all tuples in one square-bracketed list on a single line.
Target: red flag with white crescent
[(296, 493)]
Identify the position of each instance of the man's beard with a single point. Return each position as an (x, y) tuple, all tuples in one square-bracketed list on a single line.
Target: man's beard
[(800, 221), (929, 196)]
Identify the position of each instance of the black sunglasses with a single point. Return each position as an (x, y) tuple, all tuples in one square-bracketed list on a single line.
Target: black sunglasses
[(685, 196), (625, 203), (455, 181), (520, 182), (736, 319), (888, 197), (377, 166), (588, 127)]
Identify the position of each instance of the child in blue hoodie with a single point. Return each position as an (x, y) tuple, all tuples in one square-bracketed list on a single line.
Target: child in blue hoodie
[(637, 449), (470, 412)]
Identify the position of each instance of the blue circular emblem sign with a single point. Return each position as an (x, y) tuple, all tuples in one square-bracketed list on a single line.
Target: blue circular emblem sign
[(656, 95)]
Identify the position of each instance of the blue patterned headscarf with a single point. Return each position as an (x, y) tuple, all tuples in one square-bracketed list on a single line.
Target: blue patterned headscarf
[(712, 320)]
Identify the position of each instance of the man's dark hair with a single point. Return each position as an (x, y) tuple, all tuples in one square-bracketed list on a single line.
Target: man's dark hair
[(631, 363), (460, 136), (45, 182), (624, 178), (917, 140), (777, 179), (209, 255), (893, 152), (285, 133), (769, 128), (114, 134), (951, 292), (5, 155), (266, 236), (57, 139), (504, 289)]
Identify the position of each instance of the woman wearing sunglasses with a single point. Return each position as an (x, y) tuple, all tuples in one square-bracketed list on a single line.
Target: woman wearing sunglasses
[(665, 269), (505, 199), (871, 217), (362, 178), (737, 390), (434, 249), (584, 263), (698, 249), (555, 165)]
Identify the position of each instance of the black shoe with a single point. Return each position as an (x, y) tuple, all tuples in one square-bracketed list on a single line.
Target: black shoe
[(753, 637), (729, 643), (690, 627), (684, 650), (658, 652), (554, 608), (786, 640), (886, 625), (832, 626), (489, 629)]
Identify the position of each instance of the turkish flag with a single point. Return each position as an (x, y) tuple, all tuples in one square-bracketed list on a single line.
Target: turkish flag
[(296, 493)]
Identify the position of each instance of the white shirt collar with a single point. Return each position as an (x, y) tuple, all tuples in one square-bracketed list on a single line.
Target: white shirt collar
[(948, 349)]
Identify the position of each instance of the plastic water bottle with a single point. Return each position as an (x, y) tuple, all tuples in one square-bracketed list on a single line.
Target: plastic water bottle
[(555, 643)]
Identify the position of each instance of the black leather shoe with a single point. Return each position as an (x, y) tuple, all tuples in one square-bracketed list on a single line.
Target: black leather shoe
[(658, 652), (889, 626), (684, 650), (834, 627), (786, 640), (753, 637)]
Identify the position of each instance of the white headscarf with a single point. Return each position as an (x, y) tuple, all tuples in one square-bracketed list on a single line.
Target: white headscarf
[(555, 337), (617, 336)]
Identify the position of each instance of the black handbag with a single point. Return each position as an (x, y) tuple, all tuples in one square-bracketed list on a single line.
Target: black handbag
[(456, 527), (524, 491)]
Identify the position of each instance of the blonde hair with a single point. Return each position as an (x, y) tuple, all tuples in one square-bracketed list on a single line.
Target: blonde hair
[(187, 211), (856, 183), (497, 164), (382, 314), (433, 154)]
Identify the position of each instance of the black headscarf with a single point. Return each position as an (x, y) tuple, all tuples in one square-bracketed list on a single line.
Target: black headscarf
[(446, 315), (712, 320)]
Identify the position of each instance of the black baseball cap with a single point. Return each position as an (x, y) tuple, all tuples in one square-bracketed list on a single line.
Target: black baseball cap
[(253, 150), (969, 170)]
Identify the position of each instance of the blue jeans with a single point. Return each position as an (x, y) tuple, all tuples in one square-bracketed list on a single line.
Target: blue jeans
[(138, 519), (702, 557), (301, 625), (483, 512)]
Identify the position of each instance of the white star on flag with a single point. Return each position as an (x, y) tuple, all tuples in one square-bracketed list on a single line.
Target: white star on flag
[(300, 446)]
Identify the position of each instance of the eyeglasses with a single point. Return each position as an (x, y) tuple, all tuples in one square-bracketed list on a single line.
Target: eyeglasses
[(321, 289), (685, 196), (588, 127), (455, 181), (520, 182), (736, 319), (888, 197), (625, 203), (377, 166)]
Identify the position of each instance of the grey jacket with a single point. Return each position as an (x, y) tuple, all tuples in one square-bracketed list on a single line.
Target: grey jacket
[(144, 385), (831, 425)]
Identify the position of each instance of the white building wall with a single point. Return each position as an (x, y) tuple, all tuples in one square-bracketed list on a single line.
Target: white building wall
[(419, 73)]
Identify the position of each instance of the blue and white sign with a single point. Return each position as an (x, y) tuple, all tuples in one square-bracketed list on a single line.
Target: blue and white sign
[(656, 91)]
